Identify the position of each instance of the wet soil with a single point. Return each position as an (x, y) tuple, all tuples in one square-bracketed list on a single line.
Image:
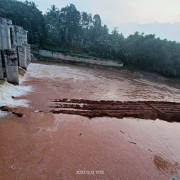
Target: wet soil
[(42, 145), (168, 111), (19, 112)]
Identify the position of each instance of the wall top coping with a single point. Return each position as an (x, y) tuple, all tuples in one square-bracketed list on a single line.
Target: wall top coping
[(5, 21)]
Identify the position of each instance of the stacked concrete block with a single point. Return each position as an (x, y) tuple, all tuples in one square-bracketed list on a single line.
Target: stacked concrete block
[(14, 50), (26, 46), (8, 59), (28, 52), (11, 66), (19, 39), (5, 33), (22, 57)]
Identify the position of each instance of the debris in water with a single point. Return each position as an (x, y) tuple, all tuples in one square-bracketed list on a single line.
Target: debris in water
[(40, 161), (131, 142), (12, 110), (36, 111)]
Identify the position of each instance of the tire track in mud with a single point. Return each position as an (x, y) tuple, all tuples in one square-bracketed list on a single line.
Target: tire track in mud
[(168, 111)]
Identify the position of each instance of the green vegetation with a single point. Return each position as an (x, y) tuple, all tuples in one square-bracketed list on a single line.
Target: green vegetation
[(81, 34)]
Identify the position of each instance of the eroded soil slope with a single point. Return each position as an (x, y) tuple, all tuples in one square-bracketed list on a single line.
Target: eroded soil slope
[(168, 111)]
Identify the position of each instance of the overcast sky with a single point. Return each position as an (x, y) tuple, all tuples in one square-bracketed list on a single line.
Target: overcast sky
[(130, 15)]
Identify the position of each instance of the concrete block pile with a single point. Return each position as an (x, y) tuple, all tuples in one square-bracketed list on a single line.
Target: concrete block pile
[(14, 50)]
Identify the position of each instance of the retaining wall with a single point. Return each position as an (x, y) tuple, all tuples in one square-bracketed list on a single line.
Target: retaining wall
[(57, 55)]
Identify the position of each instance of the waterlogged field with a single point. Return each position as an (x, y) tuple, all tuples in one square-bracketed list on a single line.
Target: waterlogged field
[(42, 145)]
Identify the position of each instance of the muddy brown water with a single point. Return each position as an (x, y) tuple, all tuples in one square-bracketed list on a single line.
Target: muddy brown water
[(42, 145)]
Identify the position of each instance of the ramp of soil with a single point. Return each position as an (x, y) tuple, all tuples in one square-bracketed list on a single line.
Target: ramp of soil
[(168, 111)]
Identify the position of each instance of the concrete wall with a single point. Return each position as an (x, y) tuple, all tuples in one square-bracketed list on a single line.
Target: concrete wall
[(20, 41), (26, 47), (22, 56), (11, 66), (24, 35), (5, 33), (14, 50), (28, 52), (5, 44), (77, 59), (8, 55), (1, 67)]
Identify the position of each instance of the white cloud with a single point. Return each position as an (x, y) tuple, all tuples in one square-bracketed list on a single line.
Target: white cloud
[(143, 11), (115, 12)]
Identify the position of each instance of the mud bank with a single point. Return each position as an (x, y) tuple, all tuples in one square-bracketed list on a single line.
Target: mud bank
[(41, 145), (167, 111)]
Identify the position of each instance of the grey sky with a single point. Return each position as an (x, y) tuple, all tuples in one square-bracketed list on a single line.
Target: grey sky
[(130, 15)]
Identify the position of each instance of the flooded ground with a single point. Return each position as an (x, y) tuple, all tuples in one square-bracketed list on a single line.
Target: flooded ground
[(42, 145)]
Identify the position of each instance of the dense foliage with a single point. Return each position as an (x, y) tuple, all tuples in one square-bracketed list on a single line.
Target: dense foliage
[(26, 15), (68, 30)]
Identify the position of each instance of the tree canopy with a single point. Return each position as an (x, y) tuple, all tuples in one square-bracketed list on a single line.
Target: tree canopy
[(66, 29)]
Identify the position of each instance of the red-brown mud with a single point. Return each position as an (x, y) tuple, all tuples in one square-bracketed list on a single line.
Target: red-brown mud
[(19, 112), (41, 145), (168, 111)]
